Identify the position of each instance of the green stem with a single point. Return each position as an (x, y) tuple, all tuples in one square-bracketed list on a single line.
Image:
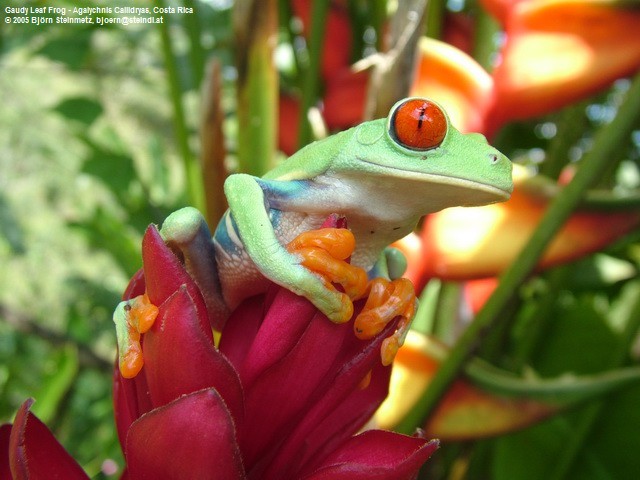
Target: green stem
[(257, 85), (592, 166), (484, 44), (196, 52), (191, 168), (311, 84), (434, 18), (285, 16), (570, 125), (447, 315), (538, 319), (378, 20)]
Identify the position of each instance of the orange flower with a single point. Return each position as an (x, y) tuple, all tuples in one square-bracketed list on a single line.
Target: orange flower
[(466, 411), (500, 9), (560, 51), (456, 81), (486, 401), (466, 243)]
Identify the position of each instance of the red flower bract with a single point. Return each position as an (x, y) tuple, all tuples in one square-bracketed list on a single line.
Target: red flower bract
[(28, 450), (282, 397)]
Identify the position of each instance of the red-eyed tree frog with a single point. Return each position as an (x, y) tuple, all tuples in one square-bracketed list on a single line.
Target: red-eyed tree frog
[(382, 175)]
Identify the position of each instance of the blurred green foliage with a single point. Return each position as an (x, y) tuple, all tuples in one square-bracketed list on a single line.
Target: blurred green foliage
[(88, 159)]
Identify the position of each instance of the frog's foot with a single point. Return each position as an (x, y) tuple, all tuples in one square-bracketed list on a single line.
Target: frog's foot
[(325, 252), (132, 318), (387, 299)]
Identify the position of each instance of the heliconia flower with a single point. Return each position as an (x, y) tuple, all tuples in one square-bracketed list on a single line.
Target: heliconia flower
[(468, 243), (28, 450), (559, 51), (283, 395), (486, 401), (288, 120), (500, 9), (454, 80), (466, 411), (342, 107)]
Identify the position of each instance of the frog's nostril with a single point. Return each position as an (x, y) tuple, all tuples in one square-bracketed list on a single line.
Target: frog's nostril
[(493, 158)]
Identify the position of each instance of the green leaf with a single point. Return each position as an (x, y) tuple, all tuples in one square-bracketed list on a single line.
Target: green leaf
[(107, 233), (56, 383), (115, 170), (528, 455), (612, 440), (72, 49), (579, 340), (532, 453), (82, 109), (12, 232), (564, 390)]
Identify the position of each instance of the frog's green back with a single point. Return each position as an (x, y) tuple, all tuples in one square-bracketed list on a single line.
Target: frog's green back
[(312, 160)]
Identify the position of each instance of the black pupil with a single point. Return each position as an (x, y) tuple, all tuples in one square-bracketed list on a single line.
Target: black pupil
[(422, 116)]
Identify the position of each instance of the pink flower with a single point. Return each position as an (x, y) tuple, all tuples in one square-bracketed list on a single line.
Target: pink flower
[(283, 395)]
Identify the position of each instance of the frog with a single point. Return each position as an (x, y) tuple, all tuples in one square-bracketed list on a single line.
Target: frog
[(382, 176)]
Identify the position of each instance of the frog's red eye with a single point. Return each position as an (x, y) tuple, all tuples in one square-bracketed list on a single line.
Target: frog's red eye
[(418, 124)]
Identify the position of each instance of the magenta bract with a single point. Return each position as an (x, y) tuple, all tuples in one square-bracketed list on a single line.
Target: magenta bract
[(283, 395)]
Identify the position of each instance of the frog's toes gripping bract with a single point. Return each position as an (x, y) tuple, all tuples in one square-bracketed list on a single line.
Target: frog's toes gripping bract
[(133, 318), (326, 252)]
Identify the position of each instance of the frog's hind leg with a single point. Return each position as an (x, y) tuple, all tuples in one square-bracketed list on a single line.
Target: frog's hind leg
[(387, 300), (187, 234), (388, 296)]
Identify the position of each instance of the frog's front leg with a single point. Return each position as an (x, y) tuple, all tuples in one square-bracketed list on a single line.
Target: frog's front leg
[(249, 207)]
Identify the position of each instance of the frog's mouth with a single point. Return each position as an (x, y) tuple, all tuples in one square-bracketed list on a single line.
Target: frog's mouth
[(467, 192)]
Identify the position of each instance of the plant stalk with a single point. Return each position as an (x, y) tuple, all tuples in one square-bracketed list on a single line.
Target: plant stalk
[(311, 84), (193, 175)]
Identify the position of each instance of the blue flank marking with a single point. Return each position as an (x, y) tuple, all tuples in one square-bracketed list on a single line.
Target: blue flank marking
[(222, 235), (274, 217), (277, 192), (224, 239)]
